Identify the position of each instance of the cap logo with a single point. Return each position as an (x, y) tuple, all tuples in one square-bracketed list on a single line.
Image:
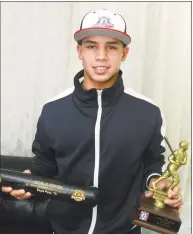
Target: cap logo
[(104, 22)]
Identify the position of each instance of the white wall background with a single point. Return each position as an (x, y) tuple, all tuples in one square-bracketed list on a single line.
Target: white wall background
[(39, 60)]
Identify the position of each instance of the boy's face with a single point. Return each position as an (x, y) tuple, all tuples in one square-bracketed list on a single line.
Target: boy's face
[(101, 57)]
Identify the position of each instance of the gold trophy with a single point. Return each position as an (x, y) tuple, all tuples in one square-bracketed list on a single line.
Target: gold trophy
[(152, 213)]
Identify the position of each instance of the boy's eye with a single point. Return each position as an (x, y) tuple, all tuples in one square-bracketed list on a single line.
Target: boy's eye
[(111, 47), (91, 47), (94, 47)]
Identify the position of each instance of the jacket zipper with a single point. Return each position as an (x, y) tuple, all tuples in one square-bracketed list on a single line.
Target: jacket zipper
[(97, 157)]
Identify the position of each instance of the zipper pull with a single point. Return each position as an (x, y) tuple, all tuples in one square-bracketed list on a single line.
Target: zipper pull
[(99, 92)]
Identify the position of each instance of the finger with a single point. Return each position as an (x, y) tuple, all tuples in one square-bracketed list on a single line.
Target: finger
[(6, 189), (25, 196), (161, 185), (174, 192), (148, 194), (180, 209), (27, 172), (164, 184), (178, 205), (174, 202), (17, 192)]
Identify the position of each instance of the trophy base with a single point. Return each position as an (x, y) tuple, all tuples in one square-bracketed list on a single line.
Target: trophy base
[(162, 220)]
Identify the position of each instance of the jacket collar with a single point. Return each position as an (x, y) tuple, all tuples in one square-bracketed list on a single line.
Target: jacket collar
[(89, 97)]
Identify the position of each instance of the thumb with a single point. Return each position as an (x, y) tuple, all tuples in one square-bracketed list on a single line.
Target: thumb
[(148, 194), (27, 172)]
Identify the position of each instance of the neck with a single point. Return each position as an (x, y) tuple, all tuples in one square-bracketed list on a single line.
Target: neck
[(89, 83)]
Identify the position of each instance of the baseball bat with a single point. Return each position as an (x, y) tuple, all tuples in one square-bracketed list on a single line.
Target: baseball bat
[(49, 187)]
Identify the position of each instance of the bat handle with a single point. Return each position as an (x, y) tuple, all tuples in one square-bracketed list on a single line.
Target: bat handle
[(169, 145)]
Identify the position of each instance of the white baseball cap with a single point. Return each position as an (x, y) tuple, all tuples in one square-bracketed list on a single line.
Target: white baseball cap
[(103, 23)]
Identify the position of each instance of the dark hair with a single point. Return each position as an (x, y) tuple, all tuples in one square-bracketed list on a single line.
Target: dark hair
[(80, 43)]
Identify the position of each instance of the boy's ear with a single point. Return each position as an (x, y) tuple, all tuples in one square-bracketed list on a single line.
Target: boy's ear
[(125, 53), (79, 51)]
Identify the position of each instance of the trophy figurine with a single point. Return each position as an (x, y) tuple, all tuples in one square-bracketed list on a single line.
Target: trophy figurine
[(153, 214)]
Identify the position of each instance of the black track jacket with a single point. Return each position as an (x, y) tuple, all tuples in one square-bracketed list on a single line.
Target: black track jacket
[(111, 139)]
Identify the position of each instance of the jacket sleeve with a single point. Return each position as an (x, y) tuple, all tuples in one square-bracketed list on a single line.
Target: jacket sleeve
[(153, 156), (43, 163)]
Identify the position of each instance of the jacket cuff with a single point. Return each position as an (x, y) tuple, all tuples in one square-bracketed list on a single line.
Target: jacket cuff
[(153, 175)]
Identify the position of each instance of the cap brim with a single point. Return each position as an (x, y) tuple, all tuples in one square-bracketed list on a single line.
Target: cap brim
[(79, 35)]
